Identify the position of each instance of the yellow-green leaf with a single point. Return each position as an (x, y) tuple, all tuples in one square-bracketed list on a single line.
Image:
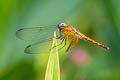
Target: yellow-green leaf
[(53, 70)]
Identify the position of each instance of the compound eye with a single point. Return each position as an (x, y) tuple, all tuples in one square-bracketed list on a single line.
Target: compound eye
[(63, 24)]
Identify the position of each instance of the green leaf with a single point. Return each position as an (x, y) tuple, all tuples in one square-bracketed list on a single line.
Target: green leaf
[(53, 70)]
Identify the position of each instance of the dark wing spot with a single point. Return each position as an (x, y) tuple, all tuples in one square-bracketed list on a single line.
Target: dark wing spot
[(26, 49), (20, 29), (28, 46), (17, 32)]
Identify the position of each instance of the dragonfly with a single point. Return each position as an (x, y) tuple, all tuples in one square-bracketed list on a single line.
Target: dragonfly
[(66, 33)]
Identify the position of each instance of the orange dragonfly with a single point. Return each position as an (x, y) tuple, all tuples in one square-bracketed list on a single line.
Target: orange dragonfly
[(45, 34)]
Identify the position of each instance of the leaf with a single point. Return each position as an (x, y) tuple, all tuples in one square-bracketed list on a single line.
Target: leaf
[(53, 70)]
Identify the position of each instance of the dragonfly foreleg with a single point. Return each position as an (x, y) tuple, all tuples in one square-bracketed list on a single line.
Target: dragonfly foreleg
[(60, 42), (63, 45), (69, 45)]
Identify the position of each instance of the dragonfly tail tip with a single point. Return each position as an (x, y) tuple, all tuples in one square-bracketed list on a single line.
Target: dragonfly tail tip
[(107, 48)]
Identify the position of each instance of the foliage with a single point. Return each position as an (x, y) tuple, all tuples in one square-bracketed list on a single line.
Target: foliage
[(98, 19)]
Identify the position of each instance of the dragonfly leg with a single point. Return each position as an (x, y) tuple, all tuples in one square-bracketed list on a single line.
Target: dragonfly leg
[(60, 42), (69, 46), (63, 45), (60, 37)]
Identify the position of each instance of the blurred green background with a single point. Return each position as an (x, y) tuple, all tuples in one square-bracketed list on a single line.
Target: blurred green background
[(98, 19)]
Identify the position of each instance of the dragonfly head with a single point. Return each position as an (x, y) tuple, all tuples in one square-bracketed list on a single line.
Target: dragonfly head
[(61, 26)]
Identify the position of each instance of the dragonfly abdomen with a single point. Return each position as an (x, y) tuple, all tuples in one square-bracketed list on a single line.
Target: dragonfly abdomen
[(92, 41)]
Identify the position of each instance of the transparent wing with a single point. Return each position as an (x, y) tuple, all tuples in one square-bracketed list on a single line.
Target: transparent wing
[(36, 33), (41, 47)]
